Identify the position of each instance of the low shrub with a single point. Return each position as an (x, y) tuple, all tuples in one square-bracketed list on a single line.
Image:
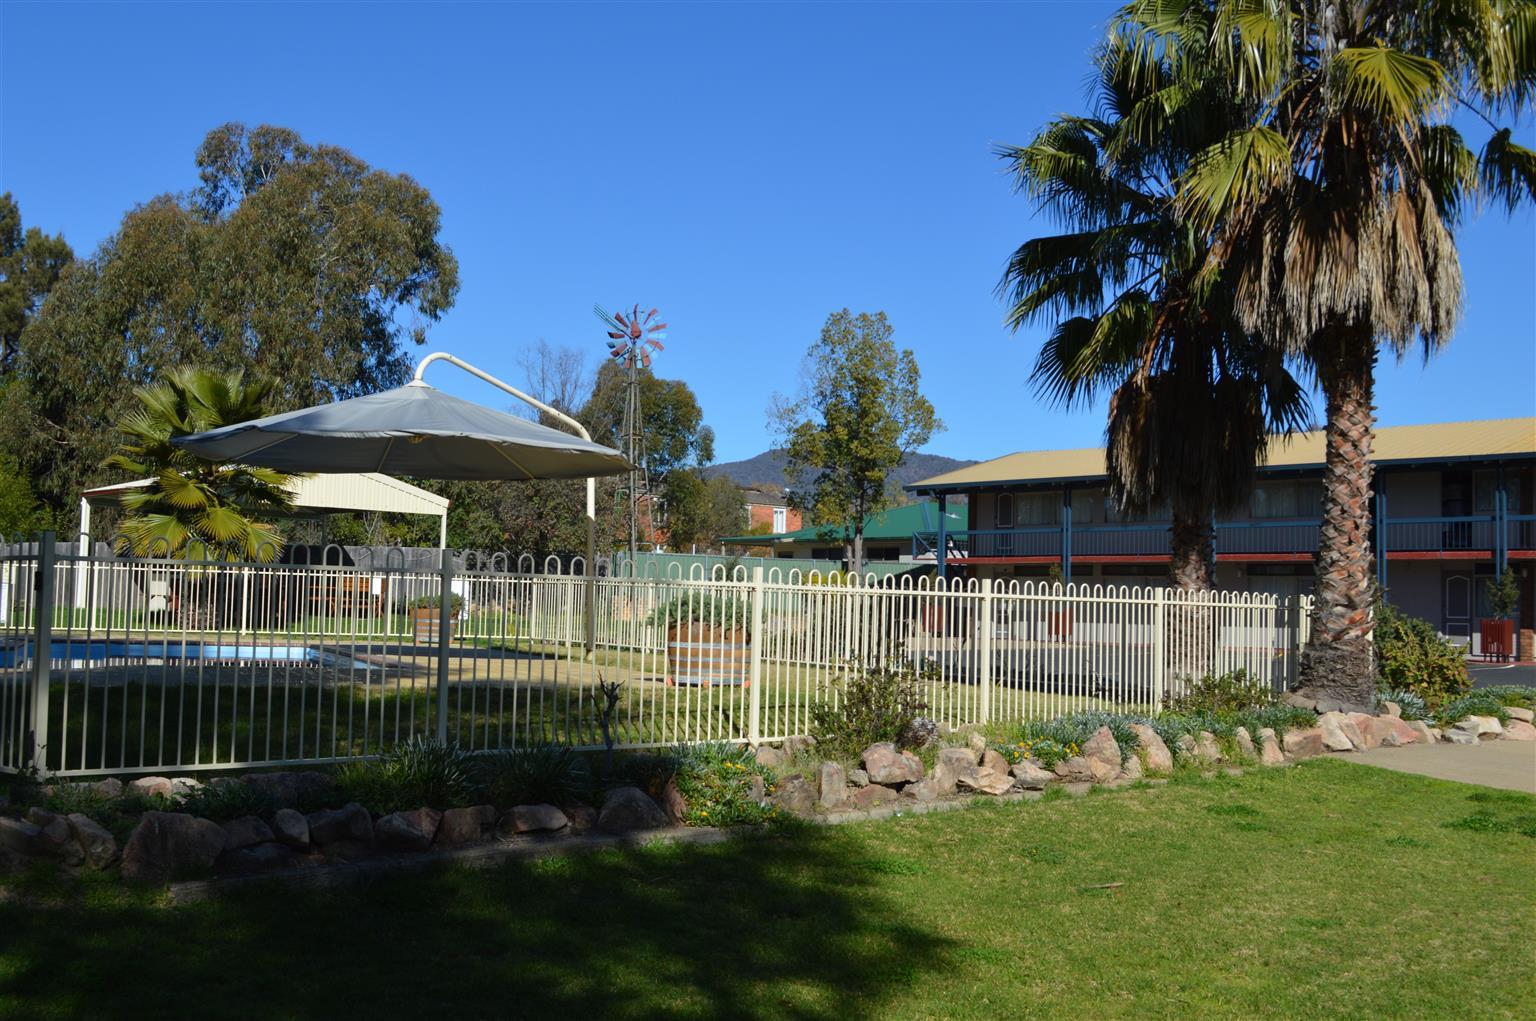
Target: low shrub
[(229, 799), (1511, 694), (1044, 750), (540, 774), (1479, 703), (1065, 736), (1410, 704), (650, 771), (708, 609), (1411, 656), (1223, 693), (872, 704), (419, 771), (716, 782)]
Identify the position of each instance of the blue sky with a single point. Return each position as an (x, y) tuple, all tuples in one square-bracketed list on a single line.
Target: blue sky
[(747, 168)]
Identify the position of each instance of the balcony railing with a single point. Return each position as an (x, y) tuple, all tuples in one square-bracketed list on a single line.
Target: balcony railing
[(1402, 535)]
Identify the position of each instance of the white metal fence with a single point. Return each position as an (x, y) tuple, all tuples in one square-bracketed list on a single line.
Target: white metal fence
[(144, 665)]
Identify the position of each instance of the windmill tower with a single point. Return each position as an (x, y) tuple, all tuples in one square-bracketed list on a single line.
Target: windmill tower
[(632, 336)]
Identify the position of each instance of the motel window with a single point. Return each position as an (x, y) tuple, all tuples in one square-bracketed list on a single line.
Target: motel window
[(1289, 499), (1002, 511), (1037, 508), (780, 519)]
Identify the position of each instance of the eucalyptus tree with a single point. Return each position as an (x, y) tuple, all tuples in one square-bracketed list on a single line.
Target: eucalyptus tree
[(195, 508), (1332, 203), (1193, 397)]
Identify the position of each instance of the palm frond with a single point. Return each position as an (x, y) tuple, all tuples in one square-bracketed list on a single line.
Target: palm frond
[(1507, 171), (1390, 85), (1239, 169)]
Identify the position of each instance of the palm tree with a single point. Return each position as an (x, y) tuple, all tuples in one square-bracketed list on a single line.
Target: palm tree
[(195, 508), (1332, 202), (1193, 397)]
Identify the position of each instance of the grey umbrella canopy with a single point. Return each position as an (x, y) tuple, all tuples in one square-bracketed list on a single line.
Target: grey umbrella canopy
[(412, 430)]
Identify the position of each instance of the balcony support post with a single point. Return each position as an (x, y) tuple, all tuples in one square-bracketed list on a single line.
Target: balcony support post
[(1500, 533), (943, 550), (1379, 527), (1066, 534)]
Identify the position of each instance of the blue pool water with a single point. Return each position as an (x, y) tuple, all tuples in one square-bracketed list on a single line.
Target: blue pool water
[(102, 650)]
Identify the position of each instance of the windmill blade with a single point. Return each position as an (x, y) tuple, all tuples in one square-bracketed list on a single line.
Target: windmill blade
[(607, 319), (658, 326)]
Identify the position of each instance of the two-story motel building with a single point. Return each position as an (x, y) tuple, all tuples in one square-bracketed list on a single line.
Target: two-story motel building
[(1454, 504)]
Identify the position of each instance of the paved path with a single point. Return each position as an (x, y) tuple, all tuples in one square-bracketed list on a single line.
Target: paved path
[(1510, 765)]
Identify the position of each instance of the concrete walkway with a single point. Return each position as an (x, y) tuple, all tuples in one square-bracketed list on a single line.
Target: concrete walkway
[(1510, 765)]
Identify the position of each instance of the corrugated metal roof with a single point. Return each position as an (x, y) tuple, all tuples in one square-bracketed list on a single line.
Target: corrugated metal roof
[(896, 523), (363, 491), (1491, 438)]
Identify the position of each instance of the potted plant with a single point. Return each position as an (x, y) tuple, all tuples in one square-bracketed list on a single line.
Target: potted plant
[(1498, 631), (426, 614), (1060, 620), (708, 638)]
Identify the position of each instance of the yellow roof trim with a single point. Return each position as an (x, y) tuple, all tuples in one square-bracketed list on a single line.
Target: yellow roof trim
[(1499, 437)]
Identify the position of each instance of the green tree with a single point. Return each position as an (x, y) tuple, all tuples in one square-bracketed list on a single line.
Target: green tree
[(295, 261), (30, 264), (701, 511), (196, 508), (1333, 205), (859, 413), (1193, 396), (672, 423), (20, 513)]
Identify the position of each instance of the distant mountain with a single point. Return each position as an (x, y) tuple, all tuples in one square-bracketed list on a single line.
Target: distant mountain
[(768, 468)]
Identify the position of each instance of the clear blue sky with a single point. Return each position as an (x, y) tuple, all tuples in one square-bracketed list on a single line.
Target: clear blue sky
[(748, 168)]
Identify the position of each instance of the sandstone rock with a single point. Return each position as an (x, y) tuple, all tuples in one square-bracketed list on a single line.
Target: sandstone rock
[(411, 830), (1269, 749), (798, 745), (1303, 744), (832, 785), (1519, 730), (1393, 731), (245, 832), (1102, 750), (890, 767), (260, 858), (1291, 698), (1520, 713), (293, 789), (627, 809), (1186, 747), (946, 771), (993, 759), (672, 803), (926, 789), (1207, 748), (18, 836), (873, 796), (1156, 756), (1426, 733), (54, 837), (291, 828), (1463, 731), (97, 845), (795, 795), (336, 825), (920, 733), (1364, 723), (858, 777), (1245, 743), (984, 780), (466, 825), (181, 786), (1030, 776), (1390, 708), (168, 845), (977, 742), (768, 755), (1074, 770), (151, 786), (1132, 769), (584, 817), (547, 819), (1339, 732), (1488, 727)]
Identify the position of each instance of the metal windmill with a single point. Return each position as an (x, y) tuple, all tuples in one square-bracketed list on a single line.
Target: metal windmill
[(632, 336)]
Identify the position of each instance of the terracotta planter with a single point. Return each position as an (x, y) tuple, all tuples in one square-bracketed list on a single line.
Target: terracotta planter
[(1498, 637), (1061, 623), (704, 655)]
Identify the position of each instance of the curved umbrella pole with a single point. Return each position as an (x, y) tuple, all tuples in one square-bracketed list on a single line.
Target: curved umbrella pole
[(590, 571)]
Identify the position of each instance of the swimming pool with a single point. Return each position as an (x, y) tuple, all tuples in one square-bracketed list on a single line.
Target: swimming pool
[(82, 652)]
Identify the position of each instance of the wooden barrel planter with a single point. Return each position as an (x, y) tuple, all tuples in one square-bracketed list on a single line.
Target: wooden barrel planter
[(704, 655)]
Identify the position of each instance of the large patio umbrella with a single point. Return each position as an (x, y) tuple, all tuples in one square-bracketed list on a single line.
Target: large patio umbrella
[(419, 430)]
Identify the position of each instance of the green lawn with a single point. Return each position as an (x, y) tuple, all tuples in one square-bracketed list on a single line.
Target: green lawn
[(1327, 890)]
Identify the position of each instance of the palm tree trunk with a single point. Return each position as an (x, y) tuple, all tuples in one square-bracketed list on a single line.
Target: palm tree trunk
[(1190, 646), (1192, 545), (1338, 664)]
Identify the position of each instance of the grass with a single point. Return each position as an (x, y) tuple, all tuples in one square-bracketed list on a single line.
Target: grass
[(1325, 890)]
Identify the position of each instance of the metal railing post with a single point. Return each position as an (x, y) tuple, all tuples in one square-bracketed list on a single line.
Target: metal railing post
[(1159, 654), (755, 660), (42, 648), (984, 652), (444, 632)]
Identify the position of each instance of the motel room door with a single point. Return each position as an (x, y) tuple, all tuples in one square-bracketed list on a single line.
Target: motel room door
[(1456, 616)]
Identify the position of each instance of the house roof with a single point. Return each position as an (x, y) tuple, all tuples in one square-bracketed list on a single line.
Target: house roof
[(1490, 439), (898, 523), (364, 491)]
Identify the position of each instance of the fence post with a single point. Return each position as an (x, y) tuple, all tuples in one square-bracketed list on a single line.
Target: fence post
[(984, 652), (755, 660), (42, 648), (444, 632), (1159, 653)]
